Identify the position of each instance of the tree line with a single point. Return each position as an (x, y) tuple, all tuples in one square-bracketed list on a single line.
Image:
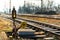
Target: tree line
[(48, 9)]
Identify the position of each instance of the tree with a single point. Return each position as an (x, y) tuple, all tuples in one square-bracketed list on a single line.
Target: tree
[(19, 10)]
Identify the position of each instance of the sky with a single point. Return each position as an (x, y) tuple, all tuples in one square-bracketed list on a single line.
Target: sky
[(4, 4)]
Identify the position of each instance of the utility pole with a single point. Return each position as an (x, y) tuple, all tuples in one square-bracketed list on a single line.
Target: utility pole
[(10, 6), (24, 6), (34, 8), (41, 5)]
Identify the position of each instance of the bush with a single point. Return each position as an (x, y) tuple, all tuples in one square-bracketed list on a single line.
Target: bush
[(47, 12)]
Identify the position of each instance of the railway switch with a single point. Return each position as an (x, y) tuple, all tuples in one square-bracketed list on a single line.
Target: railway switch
[(14, 31)]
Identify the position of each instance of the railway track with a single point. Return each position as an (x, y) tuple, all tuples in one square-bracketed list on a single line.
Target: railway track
[(45, 16), (51, 29), (38, 27), (42, 26)]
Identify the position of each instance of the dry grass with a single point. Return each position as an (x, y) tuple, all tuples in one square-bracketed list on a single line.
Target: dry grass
[(5, 24), (3, 36)]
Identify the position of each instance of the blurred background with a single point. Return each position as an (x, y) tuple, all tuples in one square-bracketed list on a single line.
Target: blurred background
[(30, 6)]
